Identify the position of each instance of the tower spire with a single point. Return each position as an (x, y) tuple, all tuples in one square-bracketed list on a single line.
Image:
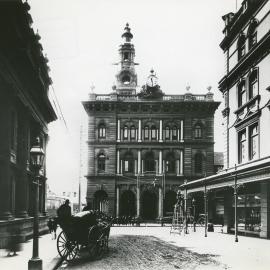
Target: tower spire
[(127, 34)]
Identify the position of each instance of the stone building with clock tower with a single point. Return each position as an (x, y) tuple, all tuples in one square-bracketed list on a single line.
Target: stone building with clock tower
[(143, 144)]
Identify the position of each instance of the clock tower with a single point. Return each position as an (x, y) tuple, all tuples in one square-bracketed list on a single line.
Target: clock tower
[(126, 78)]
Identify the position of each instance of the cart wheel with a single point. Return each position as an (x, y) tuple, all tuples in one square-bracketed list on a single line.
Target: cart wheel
[(66, 248)]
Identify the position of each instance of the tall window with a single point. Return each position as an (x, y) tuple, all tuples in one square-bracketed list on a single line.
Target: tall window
[(253, 84), (125, 134), (146, 133), (253, 142), (102, 131), (101, 163), (174, 133), (167, 133), (198, 132), (241, 93), (128, 163), (149, 163), (132, 133), (170, 163), (198, 162), (252, 34), (153, 133), (242, 146), (241, 48)]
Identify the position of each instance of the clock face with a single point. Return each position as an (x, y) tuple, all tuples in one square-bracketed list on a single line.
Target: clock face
[(152, 81)]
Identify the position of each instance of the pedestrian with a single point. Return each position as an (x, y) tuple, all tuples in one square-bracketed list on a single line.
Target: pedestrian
[(14, 244), (54, 227), (49, 224)]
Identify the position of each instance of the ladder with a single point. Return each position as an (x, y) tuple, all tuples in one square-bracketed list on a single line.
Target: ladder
[(178, 221)]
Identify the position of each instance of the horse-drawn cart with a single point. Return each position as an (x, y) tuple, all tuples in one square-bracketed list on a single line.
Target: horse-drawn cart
[(83, 231)]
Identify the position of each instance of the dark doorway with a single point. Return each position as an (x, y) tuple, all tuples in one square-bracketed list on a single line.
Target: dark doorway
[(149, 205), (101, 201), (127, 204), (170, 201)]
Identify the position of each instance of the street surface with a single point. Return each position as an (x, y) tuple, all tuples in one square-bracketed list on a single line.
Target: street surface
[(132, 248)]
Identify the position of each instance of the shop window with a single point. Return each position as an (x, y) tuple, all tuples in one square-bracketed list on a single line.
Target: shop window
[(125, 133), (252, 34), (167, 133), (101, 163), (102, 131), (253, 84), (241, 93), (146, 133), (253, 141), (198, 159), (241, 48), (198, 132), (132, 132), (153, 133), (174, 133), (242, 146)]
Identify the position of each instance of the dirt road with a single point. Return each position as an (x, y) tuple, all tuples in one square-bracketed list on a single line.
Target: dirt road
[(132, 252)]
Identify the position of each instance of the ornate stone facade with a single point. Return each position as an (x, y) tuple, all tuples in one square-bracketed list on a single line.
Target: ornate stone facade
[(142, 146)]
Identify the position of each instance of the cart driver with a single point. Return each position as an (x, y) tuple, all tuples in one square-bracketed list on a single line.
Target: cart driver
[(64, 211)]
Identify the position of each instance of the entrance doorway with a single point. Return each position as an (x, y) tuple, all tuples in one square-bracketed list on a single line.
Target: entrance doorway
[(127, 204), (170, 201), (149, 205), (101, 201)]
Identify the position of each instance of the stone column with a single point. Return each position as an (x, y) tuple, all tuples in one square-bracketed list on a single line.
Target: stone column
[(182, 131), (118, 130), (22, 202), (139, 161), (160, 162), (181, 162), (160, 131), (160, 203), (118, 162), (117, 201), (138, 196), (140, 131)]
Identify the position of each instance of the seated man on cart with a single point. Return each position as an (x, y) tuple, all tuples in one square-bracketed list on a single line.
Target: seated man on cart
[(64, 214)]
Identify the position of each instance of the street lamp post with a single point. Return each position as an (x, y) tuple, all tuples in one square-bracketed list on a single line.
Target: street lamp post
[(194, 214), (37, 157)]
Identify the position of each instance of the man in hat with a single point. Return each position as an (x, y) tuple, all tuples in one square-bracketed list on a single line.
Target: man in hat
[(64, 213)]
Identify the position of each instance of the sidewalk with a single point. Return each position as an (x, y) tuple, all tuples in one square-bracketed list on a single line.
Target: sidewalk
[(47, 252)]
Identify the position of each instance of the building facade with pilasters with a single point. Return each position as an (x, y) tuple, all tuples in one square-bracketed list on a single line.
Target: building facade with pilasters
[(25, 111), (143, 144), (242, 189)]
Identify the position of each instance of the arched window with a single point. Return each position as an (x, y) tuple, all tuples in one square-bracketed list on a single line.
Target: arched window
[(128, 163), (101, 163), (241, 48), (149, 162), (241, 89), (146, 133), (132, 132), (253, 84), (170, 163), (167, 133), (174, 133), (198, 158), (125, 133), (102, 131), (252, 34), (198, 132), (153, 133)]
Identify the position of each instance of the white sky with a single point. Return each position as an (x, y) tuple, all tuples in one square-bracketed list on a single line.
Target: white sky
[(178, 38)]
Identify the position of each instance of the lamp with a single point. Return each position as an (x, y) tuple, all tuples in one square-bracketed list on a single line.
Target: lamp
[(37, 158)]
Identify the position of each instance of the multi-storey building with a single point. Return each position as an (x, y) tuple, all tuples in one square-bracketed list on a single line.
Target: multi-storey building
[(143, 145), (25, 111), (245, 87)]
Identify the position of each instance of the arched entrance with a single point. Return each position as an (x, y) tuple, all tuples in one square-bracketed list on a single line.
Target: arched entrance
[(149, 205), (101, 201), (170, 201), (128, 203)]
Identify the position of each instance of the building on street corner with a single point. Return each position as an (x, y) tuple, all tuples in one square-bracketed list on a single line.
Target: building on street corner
[(242, 189), (143, 144), (25, 111)]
